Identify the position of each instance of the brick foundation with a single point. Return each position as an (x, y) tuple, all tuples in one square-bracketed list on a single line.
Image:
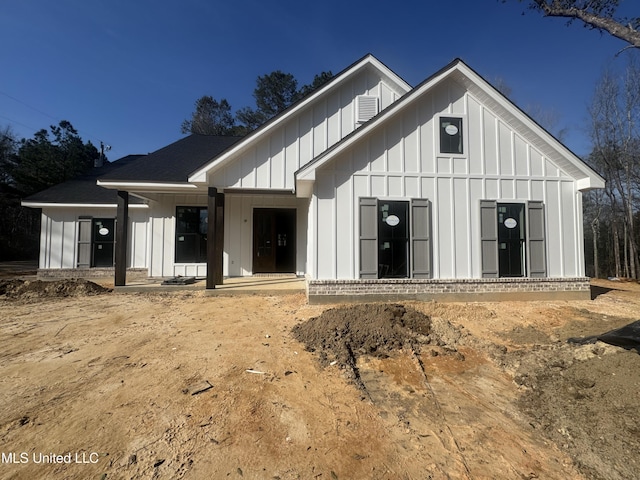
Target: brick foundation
[(476, 290), (60, 273)]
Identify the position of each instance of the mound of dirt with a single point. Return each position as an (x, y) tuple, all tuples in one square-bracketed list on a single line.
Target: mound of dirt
[(26, 289), (342, 334)]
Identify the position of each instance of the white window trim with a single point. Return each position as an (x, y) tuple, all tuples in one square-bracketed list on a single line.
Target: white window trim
[(465, 135)]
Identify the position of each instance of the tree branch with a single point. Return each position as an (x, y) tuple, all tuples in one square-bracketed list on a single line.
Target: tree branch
[(554, 8)]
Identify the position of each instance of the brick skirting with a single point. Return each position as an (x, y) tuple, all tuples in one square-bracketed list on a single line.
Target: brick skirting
[(477, 290), (59, 273)]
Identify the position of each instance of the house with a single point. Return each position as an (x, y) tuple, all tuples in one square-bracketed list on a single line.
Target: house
[(367, 187)]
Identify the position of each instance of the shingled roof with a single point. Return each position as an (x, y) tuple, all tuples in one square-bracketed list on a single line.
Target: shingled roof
[(174, 162), (83, 189)]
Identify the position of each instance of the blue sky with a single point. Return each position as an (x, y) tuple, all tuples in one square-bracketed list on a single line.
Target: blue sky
[(128, 72)]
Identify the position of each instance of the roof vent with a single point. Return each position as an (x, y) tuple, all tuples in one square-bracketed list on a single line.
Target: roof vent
[(366, 108)]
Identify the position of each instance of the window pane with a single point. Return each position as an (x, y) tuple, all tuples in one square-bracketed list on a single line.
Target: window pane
[(191, 234), (451, 135)]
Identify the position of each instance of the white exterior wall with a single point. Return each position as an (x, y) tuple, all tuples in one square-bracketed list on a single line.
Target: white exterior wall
[(238, 233), (238, 230), (400, 160), (59, 235), (274, 160)]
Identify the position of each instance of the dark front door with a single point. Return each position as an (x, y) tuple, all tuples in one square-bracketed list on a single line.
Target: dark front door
[(511, 240), (274, 246), (103, 237), (393, 239)]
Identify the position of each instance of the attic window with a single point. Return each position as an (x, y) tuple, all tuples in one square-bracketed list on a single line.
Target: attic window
[(366, 108), (451, 135)]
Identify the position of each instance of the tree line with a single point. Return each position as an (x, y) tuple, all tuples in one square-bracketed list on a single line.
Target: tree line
[(28, 166), (274, 92), (612, 215)]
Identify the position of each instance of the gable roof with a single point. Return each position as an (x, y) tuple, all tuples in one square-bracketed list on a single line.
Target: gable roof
[(82, 190), (552, 148), (368, 61)]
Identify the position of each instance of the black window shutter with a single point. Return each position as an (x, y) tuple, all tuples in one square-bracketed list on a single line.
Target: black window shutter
[(368, 238), (489, 238), (84, 243), (536, 240), (421, 238)]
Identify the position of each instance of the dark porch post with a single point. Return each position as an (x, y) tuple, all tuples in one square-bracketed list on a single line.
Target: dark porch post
[(219, 238), (211, 237), (122, 222)]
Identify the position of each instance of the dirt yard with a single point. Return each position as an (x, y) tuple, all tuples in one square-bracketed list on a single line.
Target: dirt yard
[(99, 385)]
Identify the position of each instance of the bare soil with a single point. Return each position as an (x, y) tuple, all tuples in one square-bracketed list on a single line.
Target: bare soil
[(96, 384)]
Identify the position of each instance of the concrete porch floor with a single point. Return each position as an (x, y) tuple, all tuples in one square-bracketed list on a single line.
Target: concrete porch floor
[(267, 285)]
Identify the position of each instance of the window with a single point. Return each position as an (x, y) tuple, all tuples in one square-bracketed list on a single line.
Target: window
[(513, 239), (451, 140), (395, 238), (191, 234)]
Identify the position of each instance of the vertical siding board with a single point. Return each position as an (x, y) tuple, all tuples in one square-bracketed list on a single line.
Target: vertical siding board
[(411, 141), (306, 142), (426, 135), (490, 141), (570, 238), (263, 167), (554, 232), (344, 220), (276, 155), (505, 153), (326, 245), (461, 221), (334, 126), (476, 193), (395, 186), (347, 116), (446, 228), (377, 151), (319, 128), (521, 156), (395, 152), (475, 144)]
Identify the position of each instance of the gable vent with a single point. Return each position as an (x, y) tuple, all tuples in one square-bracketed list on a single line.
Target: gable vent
[(366, 108)]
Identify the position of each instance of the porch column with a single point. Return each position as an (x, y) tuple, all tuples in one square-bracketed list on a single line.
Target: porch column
[(219, 238), (122, 222), (215, 237)]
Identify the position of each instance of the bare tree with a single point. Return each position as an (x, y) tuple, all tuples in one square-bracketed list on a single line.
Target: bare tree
[(598, 14), (615, 132)]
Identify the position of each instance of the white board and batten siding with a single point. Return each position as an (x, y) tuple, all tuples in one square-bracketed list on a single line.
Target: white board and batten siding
[(400, 160), (60, 233), (238, 233), (272, 162)]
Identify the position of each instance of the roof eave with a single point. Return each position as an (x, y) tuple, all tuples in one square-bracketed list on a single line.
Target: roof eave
[(161, 187)]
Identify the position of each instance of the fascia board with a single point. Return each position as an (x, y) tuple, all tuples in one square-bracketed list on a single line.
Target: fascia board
[(146, 186), (77, 205), (200, 176), (589, 183)]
